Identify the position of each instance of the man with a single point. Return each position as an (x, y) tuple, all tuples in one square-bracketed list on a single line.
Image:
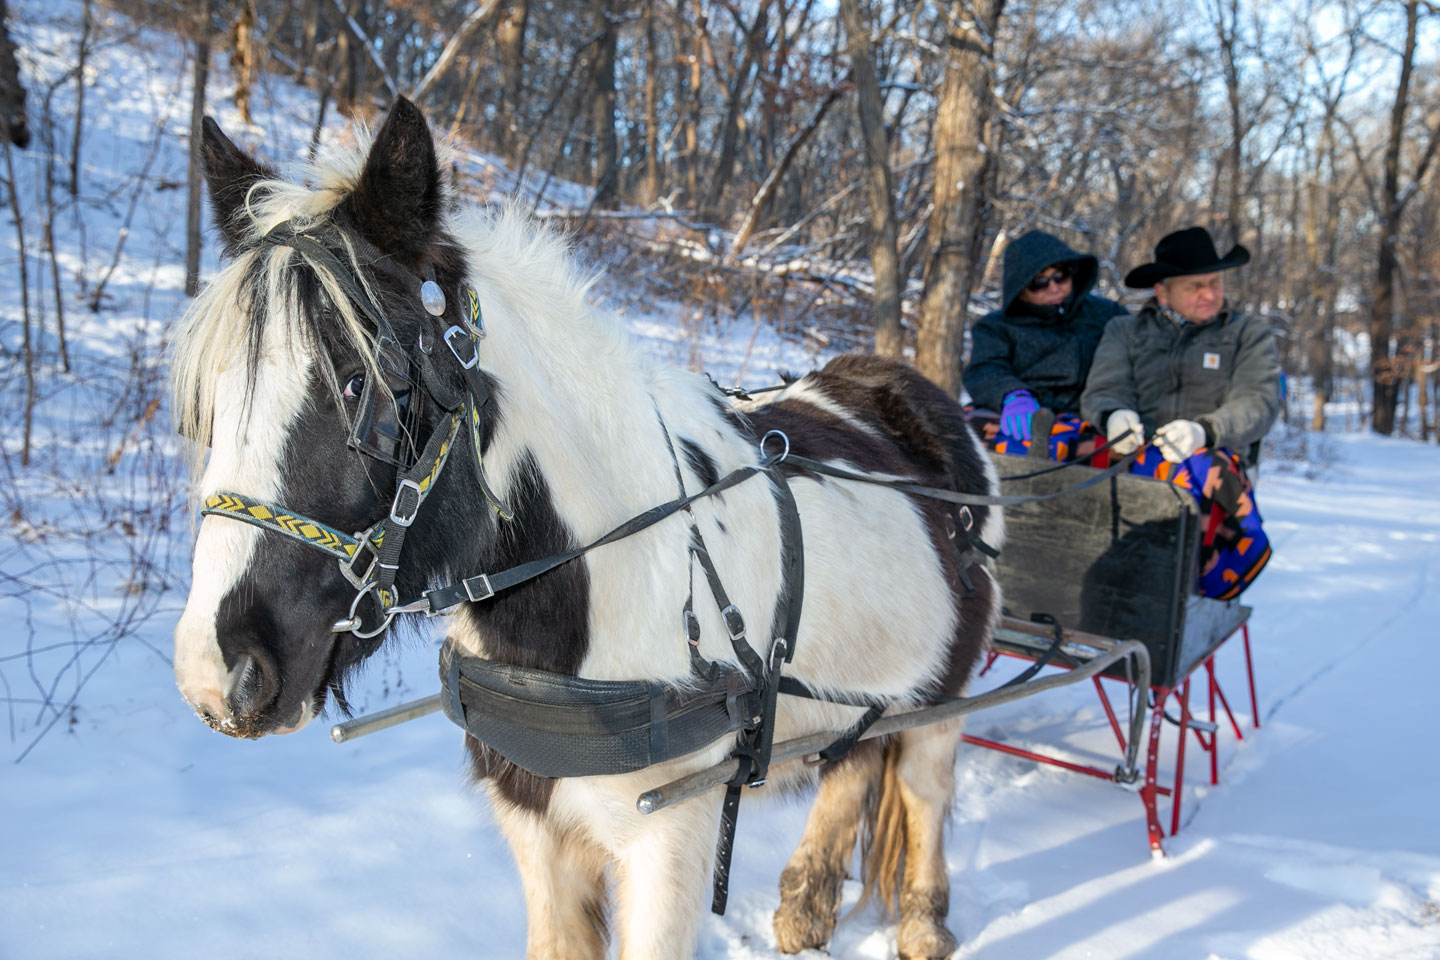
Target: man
[(1188, 371), (1036, 349)]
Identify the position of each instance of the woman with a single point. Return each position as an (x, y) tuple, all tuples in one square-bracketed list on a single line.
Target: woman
[(1035, 351)]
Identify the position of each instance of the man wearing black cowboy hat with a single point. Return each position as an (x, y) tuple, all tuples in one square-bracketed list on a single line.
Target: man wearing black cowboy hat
[(1187, 371)]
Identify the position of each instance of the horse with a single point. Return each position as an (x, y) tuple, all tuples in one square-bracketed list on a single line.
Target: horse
[(297, 367)]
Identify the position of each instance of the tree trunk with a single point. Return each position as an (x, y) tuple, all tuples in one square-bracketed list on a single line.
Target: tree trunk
[(960, 129), (27, 344), (196, 172), (737, 101), (1385, 371), (602, 107), (12, 95), (86, 21), (884, 255), (244, 58), (310, 28), (652, 108), (510, 37), (692, 121)]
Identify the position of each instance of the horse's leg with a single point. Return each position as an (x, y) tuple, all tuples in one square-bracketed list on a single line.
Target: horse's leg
[(810, 882), (563, 878), (662, 878), (926, 774)]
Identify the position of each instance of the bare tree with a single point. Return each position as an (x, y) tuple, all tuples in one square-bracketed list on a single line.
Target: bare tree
[(602, 105), (1388, 371), (510, 37), (195, 179), (884, 254), (960, 131), (12, 92)]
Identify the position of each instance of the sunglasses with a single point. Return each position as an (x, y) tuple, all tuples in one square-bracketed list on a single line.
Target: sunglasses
[(1040, 283)]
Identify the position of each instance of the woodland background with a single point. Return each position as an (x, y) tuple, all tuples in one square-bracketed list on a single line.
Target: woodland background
[(871, 160), (722, 166)]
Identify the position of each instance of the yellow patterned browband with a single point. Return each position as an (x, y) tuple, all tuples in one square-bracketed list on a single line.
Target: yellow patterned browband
[(237, 506), (313, 532)]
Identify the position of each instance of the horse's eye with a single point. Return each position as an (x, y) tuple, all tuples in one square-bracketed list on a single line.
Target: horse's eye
[(355, 387)]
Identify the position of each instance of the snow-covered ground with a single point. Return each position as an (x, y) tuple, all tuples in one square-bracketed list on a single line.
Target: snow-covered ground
[(128, 829)]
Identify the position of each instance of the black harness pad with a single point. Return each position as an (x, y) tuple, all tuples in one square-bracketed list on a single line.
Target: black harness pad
[(560, 726)]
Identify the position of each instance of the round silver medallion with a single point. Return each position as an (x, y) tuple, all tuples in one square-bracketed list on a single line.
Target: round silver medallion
[(432, 298)]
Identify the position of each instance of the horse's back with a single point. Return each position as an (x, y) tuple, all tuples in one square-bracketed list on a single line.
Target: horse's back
[(886, 609)]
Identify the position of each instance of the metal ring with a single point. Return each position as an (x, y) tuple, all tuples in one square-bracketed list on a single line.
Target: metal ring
[(356, 621), (785, 452)]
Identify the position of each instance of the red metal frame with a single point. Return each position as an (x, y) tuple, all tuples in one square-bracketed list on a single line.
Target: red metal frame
[(1208, 740)]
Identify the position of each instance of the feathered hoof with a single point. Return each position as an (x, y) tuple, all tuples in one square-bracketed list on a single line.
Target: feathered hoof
[(921, 938), (809, 902)]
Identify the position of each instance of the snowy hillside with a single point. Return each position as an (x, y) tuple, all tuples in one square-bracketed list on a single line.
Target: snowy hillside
[(129, 829)]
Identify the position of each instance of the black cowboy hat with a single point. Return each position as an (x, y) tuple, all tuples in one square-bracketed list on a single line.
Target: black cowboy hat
[(1183, 253)]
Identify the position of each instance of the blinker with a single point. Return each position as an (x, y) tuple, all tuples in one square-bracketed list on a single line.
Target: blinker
[(432, 298), (383, 426)]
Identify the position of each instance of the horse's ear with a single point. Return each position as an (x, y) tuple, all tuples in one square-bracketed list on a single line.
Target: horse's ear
[(230, 172), (397, 202)]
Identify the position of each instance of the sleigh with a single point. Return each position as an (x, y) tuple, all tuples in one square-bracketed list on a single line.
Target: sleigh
[(1118, 560)]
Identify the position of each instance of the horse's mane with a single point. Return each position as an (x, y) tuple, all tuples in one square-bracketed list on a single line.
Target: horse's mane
[(258, 286), (526, 264)]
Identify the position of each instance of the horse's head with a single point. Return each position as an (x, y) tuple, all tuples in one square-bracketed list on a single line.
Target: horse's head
[(301, 368)]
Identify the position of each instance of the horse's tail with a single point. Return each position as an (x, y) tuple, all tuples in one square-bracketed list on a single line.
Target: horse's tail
[(882, 847)]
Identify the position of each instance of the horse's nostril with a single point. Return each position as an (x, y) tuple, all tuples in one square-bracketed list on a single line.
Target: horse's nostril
[(245, 692)]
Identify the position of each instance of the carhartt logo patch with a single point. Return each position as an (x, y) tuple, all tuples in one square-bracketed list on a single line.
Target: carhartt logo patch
[(1212, 361)]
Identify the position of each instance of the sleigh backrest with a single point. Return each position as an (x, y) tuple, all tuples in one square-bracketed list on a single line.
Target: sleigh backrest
[(1117, 559)]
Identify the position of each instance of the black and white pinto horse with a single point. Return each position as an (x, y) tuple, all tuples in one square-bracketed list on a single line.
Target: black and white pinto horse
[(579, 435)]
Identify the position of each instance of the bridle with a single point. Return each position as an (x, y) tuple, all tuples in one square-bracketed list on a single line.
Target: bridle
[(385, 423)]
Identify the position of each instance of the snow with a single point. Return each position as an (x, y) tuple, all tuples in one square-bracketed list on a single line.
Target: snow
[(129, 829)]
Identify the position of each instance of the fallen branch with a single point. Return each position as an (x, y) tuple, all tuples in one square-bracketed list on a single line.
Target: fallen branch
[(472, 24)]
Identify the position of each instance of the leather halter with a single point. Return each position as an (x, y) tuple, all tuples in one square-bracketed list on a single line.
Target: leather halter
[(370, 559)]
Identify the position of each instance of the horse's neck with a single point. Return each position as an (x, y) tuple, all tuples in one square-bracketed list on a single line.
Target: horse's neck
[(581, 410)]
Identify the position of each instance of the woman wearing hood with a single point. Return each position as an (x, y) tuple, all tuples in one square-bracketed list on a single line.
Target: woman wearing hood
[(1035, 351)]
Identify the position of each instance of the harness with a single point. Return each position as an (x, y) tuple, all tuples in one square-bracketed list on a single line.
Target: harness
[(551, 724)]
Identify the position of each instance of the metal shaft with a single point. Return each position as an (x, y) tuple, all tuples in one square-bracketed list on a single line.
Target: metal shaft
[(360, 726), (712, 777)]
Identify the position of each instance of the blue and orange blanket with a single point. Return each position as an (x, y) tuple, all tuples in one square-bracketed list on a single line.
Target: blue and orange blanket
[(1233, 547)]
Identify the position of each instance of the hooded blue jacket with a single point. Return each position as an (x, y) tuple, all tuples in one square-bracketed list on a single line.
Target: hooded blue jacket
[(1046, 350)]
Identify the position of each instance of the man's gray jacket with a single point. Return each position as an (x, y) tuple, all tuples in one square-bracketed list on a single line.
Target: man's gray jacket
[(1224, 375)]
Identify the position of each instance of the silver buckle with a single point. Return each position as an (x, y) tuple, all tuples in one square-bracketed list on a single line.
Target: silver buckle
[(406, 519), (474, 349), (347, 567), (484, 582), (734, 622), (777, 653)]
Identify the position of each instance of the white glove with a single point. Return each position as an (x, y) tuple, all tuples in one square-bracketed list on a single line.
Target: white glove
[(1124, 422), (1178, 439)]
